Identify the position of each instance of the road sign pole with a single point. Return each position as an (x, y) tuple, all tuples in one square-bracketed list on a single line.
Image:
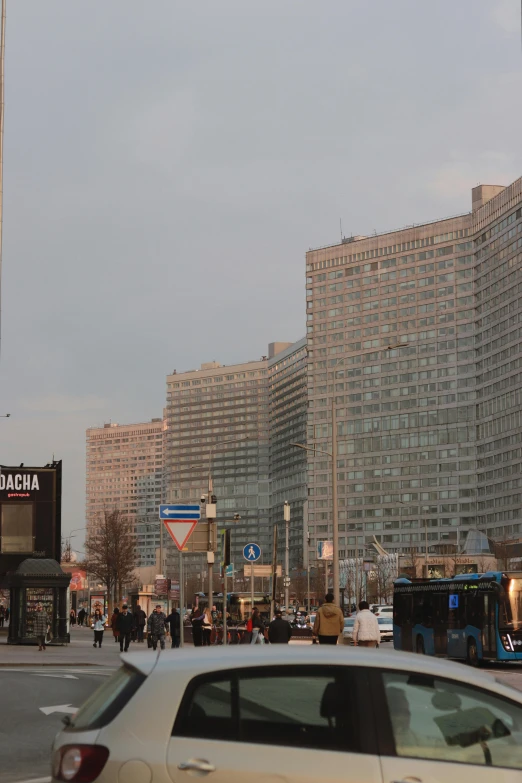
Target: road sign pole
[(225, 628), (252, 584), (181, 601)]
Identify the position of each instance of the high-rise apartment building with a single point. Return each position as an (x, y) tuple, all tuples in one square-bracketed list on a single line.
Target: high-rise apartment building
[(497, 226), (415, 335), (125, 473), (288, 411), (390, 322), (218, 423)]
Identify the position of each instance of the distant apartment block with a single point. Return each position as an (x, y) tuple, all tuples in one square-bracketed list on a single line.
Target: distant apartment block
[(416, 334), (125, 472), (287, 379)]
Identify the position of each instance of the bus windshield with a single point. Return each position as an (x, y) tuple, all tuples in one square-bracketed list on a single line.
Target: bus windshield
[(512, 614)]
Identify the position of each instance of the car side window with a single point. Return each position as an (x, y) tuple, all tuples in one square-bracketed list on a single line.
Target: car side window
[(303, 706), (444, 720)]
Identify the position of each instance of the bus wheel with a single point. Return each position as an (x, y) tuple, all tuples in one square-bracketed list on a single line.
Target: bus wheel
[(473, 658), (419, 646)]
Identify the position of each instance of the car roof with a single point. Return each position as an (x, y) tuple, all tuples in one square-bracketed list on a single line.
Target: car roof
[(193, 661)]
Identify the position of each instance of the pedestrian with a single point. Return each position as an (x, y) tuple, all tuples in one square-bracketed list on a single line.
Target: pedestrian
[(329, 621), (196, 619), (366, 627), (140, 619), (206, 624), (279, 630), (114, 624), (2, 616), (125, 624), (156, 627), (81, 616), (7, 613), (174, 622), (42, 623), (258, 628), (72, 617), (98, 624)]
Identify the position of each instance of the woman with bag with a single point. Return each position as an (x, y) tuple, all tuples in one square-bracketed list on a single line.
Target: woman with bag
[(98, 624), (206, 624), (258, 628)]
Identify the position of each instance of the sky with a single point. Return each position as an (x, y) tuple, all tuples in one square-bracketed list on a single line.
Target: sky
[(168, 164)]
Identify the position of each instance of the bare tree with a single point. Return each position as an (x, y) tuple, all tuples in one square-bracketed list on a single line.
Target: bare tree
[(66, 554), (111, 553), (411, 563)]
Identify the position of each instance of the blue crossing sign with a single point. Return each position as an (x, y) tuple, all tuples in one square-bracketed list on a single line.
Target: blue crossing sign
[(252, 552), (192, 511)]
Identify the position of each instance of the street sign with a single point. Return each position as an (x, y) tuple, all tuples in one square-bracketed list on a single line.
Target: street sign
[(252, 552), (229, 570), (325, 550), (180, 521), (286, 581), (180, 511), (262, 570)]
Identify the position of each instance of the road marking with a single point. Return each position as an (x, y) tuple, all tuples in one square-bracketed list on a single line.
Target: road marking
[(61, 676), (58, 708), (35, 780)]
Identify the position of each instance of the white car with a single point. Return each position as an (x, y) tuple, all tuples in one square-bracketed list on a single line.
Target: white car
[(384, 611), (293, 714), (385, 628)]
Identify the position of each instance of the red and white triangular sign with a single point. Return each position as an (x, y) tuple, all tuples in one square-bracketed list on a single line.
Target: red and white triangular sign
[(180, 530)]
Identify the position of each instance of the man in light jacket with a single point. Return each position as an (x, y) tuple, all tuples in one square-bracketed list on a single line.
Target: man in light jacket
[(366, 627), (329, 621)]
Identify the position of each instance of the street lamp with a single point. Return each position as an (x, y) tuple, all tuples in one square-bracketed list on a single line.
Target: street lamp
[(286, 516)]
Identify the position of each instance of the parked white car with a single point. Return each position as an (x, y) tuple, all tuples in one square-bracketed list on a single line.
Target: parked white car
[(384, 611), (293, 714), (385, 628)]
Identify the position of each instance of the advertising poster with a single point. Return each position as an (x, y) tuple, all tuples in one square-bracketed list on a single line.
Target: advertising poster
[(98, 602)]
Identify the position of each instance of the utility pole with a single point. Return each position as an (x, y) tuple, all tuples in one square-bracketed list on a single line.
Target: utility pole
[(286, 512), (335, 515), (211, 519), (2, 104)]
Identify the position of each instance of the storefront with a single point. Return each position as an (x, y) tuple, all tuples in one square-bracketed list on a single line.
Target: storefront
[(38, 581)]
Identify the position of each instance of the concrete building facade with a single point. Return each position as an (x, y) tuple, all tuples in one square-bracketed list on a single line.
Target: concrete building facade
[(125, 473), (390, 328), (288, 413), (218, 422)]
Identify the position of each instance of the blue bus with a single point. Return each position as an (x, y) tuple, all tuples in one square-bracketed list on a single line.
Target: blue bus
[(474, 617)]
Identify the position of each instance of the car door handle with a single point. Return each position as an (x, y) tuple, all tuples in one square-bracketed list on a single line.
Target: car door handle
[(197, 765)]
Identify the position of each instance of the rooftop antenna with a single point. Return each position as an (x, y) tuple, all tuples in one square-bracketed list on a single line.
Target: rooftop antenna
[(341, 222)]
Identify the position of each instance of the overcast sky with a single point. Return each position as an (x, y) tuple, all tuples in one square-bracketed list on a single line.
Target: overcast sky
[(168, 164)]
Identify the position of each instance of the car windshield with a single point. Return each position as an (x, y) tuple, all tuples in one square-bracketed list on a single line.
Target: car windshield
[(384, 620)]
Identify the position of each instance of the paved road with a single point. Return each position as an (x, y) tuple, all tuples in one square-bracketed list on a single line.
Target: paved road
[(26, 733)]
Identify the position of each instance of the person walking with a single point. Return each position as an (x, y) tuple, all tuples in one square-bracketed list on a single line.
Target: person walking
[(196, 618), (258, 628), (140, 620), (42, 623), (81, 616), (2, 616), (206, 624), (366, 627), (125, 624), (174, 622), (72, 618), (98, 624), (156, 627), (329, 621), (114, 624), (279, 630)]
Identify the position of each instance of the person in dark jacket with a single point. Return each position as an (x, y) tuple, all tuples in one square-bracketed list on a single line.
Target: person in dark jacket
[(258, 628), (125, 624), (156, 627), (174, 623), (81, 616), (196, 618), (279, 630), (140, 620)]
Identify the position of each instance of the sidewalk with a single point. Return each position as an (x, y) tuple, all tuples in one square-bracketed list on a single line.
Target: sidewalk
[(79, 652)]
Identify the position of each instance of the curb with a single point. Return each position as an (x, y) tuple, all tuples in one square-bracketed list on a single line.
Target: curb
[(15, 665)]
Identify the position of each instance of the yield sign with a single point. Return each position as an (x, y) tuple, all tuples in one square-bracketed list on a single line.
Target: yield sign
[(180, 530)]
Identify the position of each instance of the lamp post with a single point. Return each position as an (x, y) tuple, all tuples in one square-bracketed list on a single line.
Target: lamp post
[(286, 516)]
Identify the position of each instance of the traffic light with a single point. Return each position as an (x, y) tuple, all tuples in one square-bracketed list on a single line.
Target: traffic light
[(213, 499), (226, 548)]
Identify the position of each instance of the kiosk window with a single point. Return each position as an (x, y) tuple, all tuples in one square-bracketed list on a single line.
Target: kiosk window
[(17, 527)]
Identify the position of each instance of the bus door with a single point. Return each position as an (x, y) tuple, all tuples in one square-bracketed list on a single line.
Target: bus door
[(489, 636)]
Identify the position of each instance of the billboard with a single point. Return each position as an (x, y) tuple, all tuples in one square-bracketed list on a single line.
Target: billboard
[(325, 550), (78, 577)]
